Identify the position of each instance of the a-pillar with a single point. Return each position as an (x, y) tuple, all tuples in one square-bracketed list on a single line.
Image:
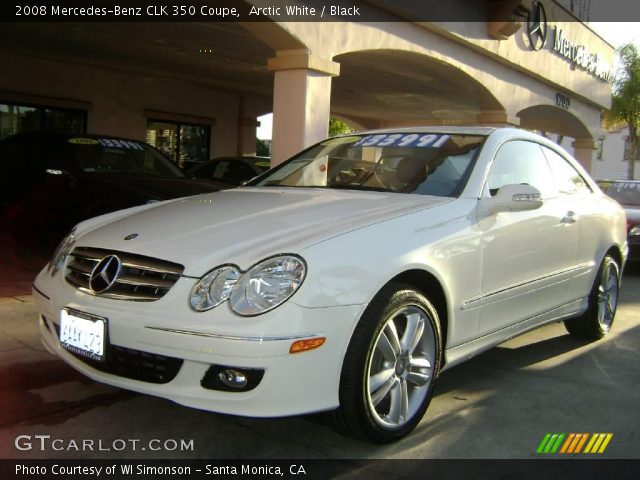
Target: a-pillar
[(583, 149), (301, 101)]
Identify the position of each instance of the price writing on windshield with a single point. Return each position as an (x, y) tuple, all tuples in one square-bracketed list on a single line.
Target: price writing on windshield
[(431, 140)]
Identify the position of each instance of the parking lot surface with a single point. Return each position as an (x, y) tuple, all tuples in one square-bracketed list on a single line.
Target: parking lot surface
[(497, 405)]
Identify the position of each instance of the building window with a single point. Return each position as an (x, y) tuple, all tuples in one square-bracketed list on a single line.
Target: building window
[(15, 118), (186, 144), (600, 148)]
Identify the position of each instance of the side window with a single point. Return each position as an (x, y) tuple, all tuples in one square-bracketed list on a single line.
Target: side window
[(568, 180), (239, 172), (521, 162), (220, 172), (206, 171)]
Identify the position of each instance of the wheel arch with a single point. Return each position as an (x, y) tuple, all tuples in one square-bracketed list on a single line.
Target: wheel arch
[(616, 253), (430, 286)]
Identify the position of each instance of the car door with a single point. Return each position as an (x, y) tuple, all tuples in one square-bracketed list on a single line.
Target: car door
[(581, 201), (527, 255)]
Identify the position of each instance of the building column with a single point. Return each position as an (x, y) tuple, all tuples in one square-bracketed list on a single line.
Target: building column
[(301, 101), (497, 118), (583, 149)]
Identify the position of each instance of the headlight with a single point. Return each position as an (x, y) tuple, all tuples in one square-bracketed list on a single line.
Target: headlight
[(264, 287), (214, 288), (267, 285), (635, 230), (60, 255)]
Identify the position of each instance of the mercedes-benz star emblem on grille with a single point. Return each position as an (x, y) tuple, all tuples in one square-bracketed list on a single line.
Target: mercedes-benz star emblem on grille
[(537, 26), (105, 274)]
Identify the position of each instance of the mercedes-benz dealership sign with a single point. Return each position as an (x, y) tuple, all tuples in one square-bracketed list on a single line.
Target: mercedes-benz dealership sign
[(577, 54)]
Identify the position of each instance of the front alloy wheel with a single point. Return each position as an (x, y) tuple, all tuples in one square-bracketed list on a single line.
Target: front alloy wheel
[(390, 367), (400, 368)]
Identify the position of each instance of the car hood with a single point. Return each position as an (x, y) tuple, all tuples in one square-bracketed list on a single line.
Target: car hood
[(243, 226), (151, 187)]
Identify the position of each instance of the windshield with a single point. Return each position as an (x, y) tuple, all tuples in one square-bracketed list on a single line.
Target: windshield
[(625, 193), (426, 164), (110, 155)]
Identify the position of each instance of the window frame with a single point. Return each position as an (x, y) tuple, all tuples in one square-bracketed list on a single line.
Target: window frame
[(178, 125), (485, 192), (588, 186), (41, 108)]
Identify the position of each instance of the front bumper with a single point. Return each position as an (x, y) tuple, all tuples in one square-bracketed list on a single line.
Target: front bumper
[(292, 383)]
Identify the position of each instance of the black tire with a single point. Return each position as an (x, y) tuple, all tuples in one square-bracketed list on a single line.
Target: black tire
[(596, 322), (400, 307)]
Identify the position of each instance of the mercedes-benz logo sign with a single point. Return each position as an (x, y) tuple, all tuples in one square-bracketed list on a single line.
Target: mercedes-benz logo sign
[(537, 25), (105, 274)]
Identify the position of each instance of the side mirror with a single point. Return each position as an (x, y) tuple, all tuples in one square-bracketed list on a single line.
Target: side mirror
[(515, 198)]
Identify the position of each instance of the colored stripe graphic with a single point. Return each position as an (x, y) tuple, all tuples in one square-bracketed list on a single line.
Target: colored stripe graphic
[(598, 443), (543, 443), (581, 444), (570, 438), (574, 443), (550, 443)]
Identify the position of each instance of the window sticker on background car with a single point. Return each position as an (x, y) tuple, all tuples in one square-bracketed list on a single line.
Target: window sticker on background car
[(403, 140), (83, 141), (623, 185), (112, 142)]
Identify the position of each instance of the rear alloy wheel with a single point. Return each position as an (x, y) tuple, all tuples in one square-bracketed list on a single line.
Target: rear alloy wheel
[(596, 322), (390, 367)]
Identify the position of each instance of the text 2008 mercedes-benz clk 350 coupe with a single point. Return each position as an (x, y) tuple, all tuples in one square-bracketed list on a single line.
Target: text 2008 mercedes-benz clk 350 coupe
[(343, 280)]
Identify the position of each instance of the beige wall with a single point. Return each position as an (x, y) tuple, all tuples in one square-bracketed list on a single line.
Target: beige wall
[(543, 65), (117, 101), (509, 72), (516, 75)]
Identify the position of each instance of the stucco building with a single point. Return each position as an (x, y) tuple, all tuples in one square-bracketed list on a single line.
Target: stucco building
[(195, 89)]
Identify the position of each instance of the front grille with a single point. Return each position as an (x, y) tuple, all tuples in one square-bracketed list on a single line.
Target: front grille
[(136, 364), (130, 363), (142, 279)]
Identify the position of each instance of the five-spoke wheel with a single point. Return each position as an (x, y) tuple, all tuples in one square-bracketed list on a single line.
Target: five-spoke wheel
[(390, 367), (401, 366)]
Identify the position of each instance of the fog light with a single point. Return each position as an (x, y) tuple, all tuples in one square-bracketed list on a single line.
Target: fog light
[(228, 378), (308, 344), (233, 378)]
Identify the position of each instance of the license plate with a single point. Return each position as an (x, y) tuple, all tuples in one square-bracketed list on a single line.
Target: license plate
[(83, 334)]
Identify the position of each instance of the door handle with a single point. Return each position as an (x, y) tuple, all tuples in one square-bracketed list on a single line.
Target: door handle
[(569, 218)]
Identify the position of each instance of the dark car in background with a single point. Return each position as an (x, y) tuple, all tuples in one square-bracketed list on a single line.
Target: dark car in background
[(52, 181), (627, 194), (232, 171)]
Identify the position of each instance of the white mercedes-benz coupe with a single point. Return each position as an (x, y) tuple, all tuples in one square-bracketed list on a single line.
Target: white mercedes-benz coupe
[(343, 280)]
